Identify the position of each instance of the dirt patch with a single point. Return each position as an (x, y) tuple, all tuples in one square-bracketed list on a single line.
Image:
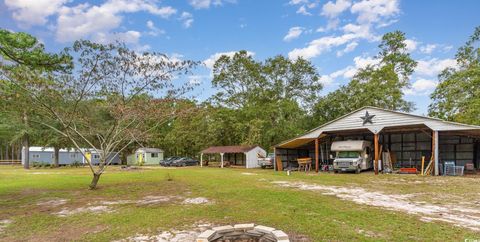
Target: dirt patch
[(53, 202), (197, 200), (108, 206), (369, 234), (118, 202), (155, 200), (173, 235), (249, 174), (44, 173), (4, 224), (89, 209), (453, 213)]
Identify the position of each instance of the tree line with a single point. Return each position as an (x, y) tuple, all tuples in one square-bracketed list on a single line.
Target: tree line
[(111, 98)]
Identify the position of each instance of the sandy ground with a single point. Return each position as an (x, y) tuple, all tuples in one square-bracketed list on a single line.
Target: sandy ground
[(249, 174), (189, 234), (108, 206), (456, 214), (4, 223), (53, 202)]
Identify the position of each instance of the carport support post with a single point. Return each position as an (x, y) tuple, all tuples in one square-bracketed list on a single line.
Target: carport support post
[(316, 155), (375, 165), (435, 156), (221, 160), (201, 159)]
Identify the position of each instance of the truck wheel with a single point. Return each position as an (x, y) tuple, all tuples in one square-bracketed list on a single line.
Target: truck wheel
[(335, 171)]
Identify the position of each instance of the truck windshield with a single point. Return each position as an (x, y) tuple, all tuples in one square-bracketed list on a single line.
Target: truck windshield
[(348, 154)]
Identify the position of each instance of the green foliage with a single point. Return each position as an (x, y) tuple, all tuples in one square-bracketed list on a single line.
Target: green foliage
[(378, 85), (18, 48), (457, 96), (268, 101)]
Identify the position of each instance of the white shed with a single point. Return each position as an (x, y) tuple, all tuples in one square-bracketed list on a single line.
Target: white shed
[(245, 155)]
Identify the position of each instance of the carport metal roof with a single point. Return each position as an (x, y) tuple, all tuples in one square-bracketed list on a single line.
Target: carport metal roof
[(228, 149)]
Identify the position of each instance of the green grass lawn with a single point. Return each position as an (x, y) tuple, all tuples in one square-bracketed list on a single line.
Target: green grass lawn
[(235, 198)]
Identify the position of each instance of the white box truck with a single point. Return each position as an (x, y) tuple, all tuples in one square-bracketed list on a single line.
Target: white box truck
[(352, 155)]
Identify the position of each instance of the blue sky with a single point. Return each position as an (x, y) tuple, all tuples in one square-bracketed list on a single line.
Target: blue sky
[(338, 36)]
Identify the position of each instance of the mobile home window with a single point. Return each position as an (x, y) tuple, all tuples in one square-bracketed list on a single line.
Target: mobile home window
[(36, 156), (154, 155), (73, 155), (96, 156)]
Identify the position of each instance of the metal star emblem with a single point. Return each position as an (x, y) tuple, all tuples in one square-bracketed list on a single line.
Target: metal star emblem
[(367, 118)]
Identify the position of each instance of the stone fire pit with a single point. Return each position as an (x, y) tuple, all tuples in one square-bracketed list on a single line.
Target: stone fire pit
[(243, 233)]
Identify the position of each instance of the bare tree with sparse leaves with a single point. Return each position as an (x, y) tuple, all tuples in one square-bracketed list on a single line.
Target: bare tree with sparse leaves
[(113, 97)]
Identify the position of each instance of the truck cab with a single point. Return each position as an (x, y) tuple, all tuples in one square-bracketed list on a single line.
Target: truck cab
[(352, 155)]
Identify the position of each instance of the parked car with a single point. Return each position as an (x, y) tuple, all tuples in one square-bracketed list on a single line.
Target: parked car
[(184, 161), (169, 160), (266, 162)]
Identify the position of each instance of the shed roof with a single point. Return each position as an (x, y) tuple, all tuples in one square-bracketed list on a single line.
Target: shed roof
[(380, 119), (228, 149), (149, 150)]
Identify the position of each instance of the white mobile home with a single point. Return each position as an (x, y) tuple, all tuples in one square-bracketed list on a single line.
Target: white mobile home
[(46, 155)]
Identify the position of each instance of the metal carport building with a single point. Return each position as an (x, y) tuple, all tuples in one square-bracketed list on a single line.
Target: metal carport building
[(406, 135)]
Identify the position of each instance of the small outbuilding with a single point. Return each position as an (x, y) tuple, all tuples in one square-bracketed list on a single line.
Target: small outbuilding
[(239, 155), (145, 156)]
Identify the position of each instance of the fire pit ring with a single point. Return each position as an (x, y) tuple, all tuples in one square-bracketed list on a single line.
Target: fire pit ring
[(243, 232)]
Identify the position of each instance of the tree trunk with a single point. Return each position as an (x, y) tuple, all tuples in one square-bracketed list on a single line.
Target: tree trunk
[(6, 153), (56, 151), (93, 184), (26, 151), (26, 143)]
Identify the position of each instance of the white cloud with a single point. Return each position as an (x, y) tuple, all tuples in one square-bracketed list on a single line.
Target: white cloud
[(187, 19), (33, 12), (303, 10), (428, 49), (203, 4), (434, 66), (295, 2), (349, 48), (213, 58), (293, 33), (372, 11), (421, 87), (360, 31), (199, 4), (318, 46), (349, 71), (129, 37), (195, 80), (154, 31), (333, 9), (411, 45), (85, 20)]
